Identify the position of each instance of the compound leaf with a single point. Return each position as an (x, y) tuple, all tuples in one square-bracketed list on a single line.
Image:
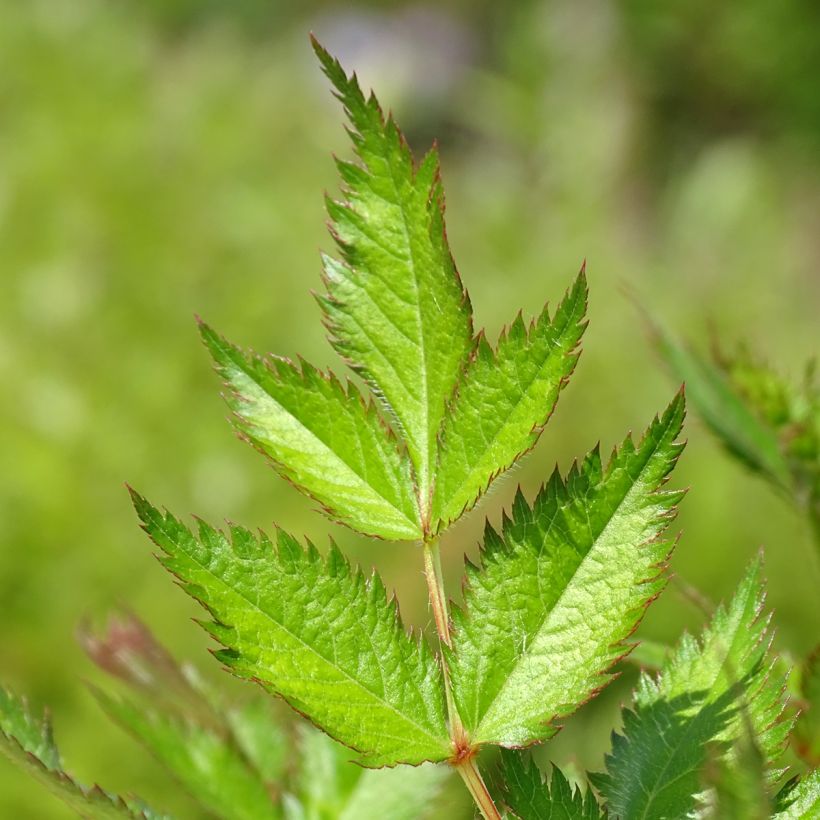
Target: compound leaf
[(697, 707), (395, 306), (322, 437), (503, 402), (562, 585), (29, 744), (530, 797), (315, 632)]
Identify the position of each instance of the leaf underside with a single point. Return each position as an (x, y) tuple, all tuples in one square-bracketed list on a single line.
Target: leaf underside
[(503, 402), (395, 306), (561, 587), (315, 632), (29, 744), (530, 797), (322, 437), (695, 710)]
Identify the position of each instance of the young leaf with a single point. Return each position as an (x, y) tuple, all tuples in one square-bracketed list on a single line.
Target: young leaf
[(29, 744), (503, 402), (206, 762), (738, 789), (562, 586), (530, 797), (696, 707), (395, 306), (322, 437), (800, 800), (314, 632), (231, 757), (331, 787)]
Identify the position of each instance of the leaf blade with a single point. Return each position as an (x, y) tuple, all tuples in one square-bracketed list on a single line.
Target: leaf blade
[(732, 421), (206, 762), (322, 437), (503, 402), (395, 306), (314, 632), (561, 587)]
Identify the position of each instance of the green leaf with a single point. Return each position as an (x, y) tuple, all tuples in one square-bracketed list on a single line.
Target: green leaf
[(695, 709), (503, 402), (315, 632), (331, 787), (562, 586), (530, 797), (322, 437), (724, 411), (206, 762), (231, 756), (800, 800), (29, 744), (262, 738), (395, 305)]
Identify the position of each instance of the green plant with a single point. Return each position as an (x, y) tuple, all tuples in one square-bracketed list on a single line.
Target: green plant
[(767, 423), (546, 616), (772, 427)]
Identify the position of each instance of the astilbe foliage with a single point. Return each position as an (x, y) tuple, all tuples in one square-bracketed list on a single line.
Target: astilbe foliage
[(547, 611)]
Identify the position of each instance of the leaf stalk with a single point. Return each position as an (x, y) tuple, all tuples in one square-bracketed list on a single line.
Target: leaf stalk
[(478, 789), (463, 761)]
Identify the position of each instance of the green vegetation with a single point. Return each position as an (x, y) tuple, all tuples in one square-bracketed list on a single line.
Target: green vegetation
[(545, 614), (172, 164)]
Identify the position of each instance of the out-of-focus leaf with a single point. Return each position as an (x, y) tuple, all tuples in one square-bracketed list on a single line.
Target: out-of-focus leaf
[(768, 423), (206, 762), (738, 789), (807, 729), (332, 787), (231, 757), (724, 411), (260, 735), (29, 744)]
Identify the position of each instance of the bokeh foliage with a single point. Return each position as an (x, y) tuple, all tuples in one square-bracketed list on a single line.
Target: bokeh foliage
[(162, 158)]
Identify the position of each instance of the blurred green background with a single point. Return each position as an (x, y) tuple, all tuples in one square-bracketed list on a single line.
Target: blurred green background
[(165, 157)]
